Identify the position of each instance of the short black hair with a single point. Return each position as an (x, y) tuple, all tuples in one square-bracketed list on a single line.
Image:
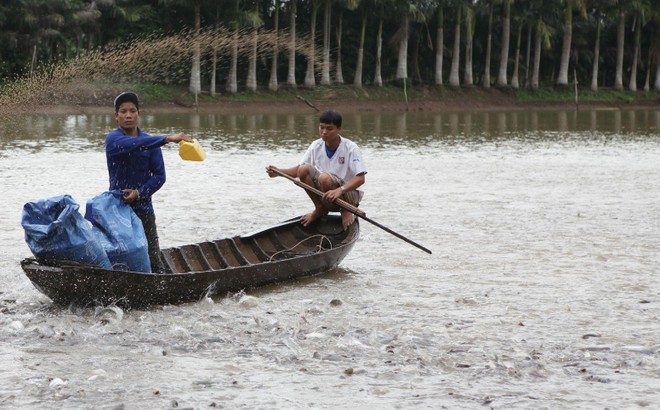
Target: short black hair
[(331, 117), (126, 97)]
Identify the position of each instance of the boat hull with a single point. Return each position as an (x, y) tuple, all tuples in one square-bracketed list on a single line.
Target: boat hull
[(277, 254)]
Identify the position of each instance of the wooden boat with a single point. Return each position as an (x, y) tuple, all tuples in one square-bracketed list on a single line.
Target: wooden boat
[(280, 253)]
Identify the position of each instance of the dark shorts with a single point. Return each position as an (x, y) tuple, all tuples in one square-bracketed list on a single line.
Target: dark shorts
[(352, 197)]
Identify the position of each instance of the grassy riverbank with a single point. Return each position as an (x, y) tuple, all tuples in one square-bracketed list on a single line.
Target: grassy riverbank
[(345, 98)]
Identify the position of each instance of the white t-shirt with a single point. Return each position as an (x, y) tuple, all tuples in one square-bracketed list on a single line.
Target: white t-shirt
[(346, 162)]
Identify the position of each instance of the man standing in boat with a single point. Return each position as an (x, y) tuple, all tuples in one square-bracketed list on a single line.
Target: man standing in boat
[(136, 167), (334, 165)]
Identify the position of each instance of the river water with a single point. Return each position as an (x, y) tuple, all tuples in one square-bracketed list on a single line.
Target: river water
[(542, 290)]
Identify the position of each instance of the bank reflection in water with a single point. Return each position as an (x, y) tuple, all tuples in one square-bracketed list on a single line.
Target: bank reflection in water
[(296, 128), (414, 124)]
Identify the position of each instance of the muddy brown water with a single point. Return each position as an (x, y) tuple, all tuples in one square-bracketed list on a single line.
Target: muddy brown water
[(542, 290)]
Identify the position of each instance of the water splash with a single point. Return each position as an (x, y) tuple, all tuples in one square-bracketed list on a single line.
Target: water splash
[(152, 58)]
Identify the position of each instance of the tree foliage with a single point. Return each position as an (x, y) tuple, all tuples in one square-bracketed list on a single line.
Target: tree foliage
[(40, 33)]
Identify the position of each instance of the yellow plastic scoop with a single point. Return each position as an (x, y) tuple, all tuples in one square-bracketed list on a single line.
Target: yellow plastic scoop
[(191, 151)]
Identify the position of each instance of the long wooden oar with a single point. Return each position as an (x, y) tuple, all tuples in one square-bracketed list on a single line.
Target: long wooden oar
[(350, 208)]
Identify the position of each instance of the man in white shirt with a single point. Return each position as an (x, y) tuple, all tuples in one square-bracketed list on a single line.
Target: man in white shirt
[(334, 165)]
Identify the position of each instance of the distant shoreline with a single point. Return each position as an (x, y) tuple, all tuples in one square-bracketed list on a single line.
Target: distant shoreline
[(344, 99), (341, 106)]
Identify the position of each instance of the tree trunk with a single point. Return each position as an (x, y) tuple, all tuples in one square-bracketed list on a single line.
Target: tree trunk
[(251, 81), (339, 73), (456, 52), (489, 41), (594, 70), (537, 57), (402, 60), (637, 28), (90, 42), (214, 69), (33, 62), (378, 79), (195, 74), (649, 64), (527, 55), (310, 75), (291, 75), (272, 82), (232, 77), (327, 18), (414, 60), (504, 52), (654, 57), (357, 80), (562, 78), (439, 45), (469, 34), (515, 83), (620, 37)]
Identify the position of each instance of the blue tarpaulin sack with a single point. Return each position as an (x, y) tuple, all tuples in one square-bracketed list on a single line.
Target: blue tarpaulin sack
[(120, 231), (54, 229)]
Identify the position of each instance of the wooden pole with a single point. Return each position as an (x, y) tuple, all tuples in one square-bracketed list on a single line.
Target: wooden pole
[(350, 208)]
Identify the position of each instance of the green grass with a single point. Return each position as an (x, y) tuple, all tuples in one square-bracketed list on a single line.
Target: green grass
[(157, 93), (605, 95)]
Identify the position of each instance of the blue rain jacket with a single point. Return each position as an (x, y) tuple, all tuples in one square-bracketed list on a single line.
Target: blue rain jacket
[(136, 163)]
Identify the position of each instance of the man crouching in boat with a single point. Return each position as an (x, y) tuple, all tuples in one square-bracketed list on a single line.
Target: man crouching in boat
[(334, 165)]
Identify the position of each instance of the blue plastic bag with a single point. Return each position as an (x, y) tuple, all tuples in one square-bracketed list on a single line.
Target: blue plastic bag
[(120, 231), (54, 229)]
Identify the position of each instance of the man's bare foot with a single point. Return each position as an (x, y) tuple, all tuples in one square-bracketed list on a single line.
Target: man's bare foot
[(347, 218), (309, 218)]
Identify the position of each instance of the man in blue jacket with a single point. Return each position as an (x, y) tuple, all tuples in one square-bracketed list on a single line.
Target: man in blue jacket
[(135, 166)]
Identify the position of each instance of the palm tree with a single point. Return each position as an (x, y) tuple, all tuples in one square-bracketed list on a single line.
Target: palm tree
[(88, 23), (232, 77), (402, 60), (195, 73), (327, 19), (43, 24), (378, 79), (456, 49), (654, 50), (524, 17), (411, 11), (620, 43), (381, 6), (515, 82), (214, 58), (469, 37), (542, 39), (310, 77), (195, 86), (272, 82), (488, 44), (291, 75), (357, 79), (439, 43), (562, 77), (254, 21), (530, 28), (343, 4), (594, 70), (504, 52), (640, 9)]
